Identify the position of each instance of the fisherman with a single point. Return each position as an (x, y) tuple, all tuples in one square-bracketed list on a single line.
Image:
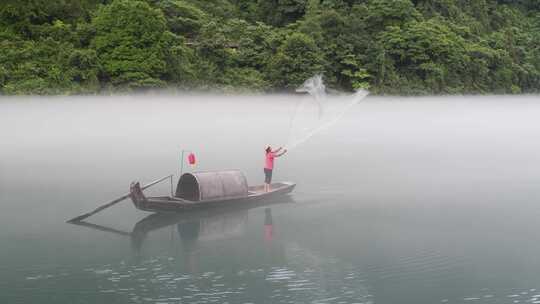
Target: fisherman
[(269, 165)]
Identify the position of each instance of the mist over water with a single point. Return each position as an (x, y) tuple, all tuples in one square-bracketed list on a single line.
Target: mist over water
[(402, 200), (314, 115)]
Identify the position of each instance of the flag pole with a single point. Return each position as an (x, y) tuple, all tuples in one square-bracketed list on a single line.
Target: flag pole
[(182, 163)]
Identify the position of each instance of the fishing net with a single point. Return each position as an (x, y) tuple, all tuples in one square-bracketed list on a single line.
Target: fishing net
[(318, 111)]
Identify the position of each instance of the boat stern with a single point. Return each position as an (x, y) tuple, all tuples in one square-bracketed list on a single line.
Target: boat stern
[(137, 196)]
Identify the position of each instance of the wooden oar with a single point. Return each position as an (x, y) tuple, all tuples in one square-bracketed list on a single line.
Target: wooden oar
[(113, 202)]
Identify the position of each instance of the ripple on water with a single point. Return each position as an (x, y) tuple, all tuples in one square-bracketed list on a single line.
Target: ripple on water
[(302, 280), (488, 296)]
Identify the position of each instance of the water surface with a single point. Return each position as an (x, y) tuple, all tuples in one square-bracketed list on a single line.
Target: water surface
[(430, 200)]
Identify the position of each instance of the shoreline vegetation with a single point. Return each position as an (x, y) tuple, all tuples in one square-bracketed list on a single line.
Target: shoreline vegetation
[(391, 47)]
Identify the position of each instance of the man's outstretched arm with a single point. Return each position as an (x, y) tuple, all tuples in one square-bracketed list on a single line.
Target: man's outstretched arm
[(284, 151)]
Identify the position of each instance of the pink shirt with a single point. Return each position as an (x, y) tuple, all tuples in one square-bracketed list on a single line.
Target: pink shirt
[(269, 163)]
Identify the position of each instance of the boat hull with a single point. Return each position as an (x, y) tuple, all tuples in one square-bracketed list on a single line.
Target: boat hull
[(167, 204)]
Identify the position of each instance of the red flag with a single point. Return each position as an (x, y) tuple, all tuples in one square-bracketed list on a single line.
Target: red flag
[(191, 159)]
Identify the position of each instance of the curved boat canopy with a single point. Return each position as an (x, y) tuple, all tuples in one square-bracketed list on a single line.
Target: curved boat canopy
[(210, 185)]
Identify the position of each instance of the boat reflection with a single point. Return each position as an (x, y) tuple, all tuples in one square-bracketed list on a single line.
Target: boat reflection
[(194, 232), (196, 227), (233, 251)]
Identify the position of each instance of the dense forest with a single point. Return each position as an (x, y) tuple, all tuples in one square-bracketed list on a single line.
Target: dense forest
[(405, 47)]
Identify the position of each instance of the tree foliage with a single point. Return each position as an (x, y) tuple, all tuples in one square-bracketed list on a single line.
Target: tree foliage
[(389, 46), (296, 60), (129, 44)]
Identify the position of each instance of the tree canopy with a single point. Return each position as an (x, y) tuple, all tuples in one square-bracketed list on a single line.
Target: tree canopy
[(410, 47)]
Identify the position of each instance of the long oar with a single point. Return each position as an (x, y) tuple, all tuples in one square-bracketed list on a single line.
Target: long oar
[(113, 202)]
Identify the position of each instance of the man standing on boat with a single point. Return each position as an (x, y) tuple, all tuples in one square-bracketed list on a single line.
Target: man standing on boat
[(269, 165)]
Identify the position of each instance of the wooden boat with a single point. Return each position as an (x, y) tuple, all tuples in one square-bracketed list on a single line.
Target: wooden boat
[(207, 189)]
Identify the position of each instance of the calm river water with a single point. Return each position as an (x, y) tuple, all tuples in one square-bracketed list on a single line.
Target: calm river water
[(405, 200)]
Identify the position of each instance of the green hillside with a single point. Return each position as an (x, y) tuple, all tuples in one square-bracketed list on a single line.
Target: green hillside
[(389, 46)]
